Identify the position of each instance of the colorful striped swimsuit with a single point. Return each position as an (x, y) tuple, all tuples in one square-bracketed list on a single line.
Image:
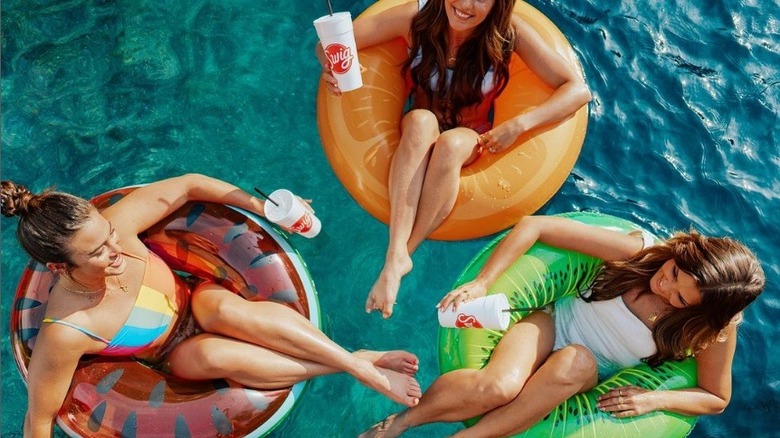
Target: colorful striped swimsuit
[(152, 313)]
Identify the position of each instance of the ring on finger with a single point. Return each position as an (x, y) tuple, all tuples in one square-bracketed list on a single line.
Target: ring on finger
[(620, 400)]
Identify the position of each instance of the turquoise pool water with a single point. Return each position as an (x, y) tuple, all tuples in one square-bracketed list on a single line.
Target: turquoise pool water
[(683, 132)]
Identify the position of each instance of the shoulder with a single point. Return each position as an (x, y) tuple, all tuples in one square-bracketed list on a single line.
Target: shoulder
[(730, 331), (58, 340), (404, 12), (518, 22), (521, 27), (66, 317), (526, 37)]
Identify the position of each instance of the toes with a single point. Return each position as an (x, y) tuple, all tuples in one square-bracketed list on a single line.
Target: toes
[(414, 389)]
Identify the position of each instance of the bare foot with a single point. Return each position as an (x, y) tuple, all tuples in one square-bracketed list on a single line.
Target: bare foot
[(400, 388), (385, 289), (396, 360), (390, 427)]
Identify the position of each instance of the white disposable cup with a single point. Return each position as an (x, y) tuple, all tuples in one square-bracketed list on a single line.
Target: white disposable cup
[(338, 41), (291, 213), (490, 312)]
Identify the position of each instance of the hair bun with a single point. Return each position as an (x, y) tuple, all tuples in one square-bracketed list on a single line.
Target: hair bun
[(15, 199)]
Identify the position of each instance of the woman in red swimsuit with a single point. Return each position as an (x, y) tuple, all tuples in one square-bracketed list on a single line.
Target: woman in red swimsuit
[(458, 64), (114, 297)]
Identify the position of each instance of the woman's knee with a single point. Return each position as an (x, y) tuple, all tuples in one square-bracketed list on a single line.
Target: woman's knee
[(213, 305), (453, 148), (192, 360), (493, 391), (575, 365), (420, 119)]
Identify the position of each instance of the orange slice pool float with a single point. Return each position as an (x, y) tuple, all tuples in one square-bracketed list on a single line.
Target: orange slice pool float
[(121, 397), (360, 130)]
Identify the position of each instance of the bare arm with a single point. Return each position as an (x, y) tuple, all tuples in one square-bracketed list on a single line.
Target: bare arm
[(54, 360), (555, 231), (713, 368), (711, 396), (147, 205), (387, 25), (570, 94)]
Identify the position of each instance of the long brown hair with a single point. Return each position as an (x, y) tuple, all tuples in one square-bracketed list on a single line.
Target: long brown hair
[(47, 221), (490, 45), (728, 275)]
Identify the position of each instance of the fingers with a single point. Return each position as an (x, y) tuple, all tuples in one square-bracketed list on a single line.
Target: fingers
[(331, 82), (455, 298), (618, 402), (486, 142), (447, 301)]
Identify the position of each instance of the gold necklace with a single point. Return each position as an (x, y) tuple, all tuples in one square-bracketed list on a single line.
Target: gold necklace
[(121, 286), (91, 294)]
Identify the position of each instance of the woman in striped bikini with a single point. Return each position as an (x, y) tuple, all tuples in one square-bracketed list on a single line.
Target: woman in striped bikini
[(115, 297)]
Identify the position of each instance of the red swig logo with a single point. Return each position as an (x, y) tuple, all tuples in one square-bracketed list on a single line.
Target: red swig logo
[(467, 321), (303, 224), (339, 57)]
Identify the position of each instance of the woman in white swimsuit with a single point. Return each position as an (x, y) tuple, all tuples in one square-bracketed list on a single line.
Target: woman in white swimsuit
[(662, 302)]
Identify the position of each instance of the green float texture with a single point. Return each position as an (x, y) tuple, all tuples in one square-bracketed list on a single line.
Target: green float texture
[(539, 277)]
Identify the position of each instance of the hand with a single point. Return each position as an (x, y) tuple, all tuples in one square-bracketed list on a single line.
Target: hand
[(501, 137), (627, 401), (327, 73), (330, 81), (306, 204), (464, 293)]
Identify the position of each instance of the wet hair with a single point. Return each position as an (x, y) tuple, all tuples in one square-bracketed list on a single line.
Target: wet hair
[(490, 45), (47, 221), (726, 272)]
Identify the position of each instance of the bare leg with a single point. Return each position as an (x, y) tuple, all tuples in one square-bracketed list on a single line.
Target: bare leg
[(407, 170), (567, 372), (280, 329), (465, 393), (209, 356), (453, 149)]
